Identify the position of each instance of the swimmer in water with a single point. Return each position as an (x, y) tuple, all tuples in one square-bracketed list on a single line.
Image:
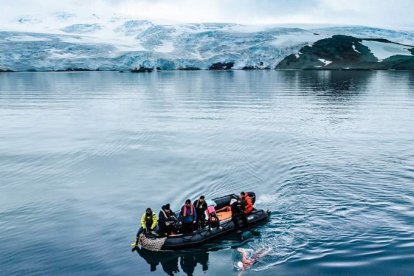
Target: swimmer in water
[(246, 258)]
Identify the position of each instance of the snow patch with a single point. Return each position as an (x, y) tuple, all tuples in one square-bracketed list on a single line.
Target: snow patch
[(353, 47), (324, 61), (383, 50)]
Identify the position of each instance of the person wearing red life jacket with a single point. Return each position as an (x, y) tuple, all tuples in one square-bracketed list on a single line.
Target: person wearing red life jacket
[(188, 217), (246, 203)]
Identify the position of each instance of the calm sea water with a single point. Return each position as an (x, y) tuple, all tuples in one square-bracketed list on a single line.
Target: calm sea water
[(331, 154)]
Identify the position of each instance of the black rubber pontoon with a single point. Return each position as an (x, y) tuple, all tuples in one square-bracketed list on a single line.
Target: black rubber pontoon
[(201, 236)]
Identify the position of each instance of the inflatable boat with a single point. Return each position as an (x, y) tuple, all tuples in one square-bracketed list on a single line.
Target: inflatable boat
[(203, 235)]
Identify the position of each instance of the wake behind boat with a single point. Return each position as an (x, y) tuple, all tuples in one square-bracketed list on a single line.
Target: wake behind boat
[(205, 234)]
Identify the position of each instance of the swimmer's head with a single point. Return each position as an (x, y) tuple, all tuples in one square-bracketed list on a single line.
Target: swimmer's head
[(237, 260), (239, 265)]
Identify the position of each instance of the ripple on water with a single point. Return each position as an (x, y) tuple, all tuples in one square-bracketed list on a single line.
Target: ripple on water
[(329, 153)]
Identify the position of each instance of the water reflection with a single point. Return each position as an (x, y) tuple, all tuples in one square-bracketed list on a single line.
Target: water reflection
[(335, 81), (408, 78), (330, 152), (169, 261)]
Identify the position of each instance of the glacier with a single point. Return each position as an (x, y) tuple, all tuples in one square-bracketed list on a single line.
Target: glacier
[(62, 41)]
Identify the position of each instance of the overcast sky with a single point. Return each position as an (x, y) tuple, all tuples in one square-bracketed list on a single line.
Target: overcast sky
[(381, 13)]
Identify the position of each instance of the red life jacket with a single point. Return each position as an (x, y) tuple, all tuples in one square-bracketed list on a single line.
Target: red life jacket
[(248, 208), (191, 210)]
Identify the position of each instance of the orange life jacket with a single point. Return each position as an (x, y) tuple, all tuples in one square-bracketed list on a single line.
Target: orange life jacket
[(248, 207), (191, 210)]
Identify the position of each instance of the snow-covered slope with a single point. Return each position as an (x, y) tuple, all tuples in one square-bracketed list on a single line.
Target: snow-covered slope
[(63, 41), (383, 50)]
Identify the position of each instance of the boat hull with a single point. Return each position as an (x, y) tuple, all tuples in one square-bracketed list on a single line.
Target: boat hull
[(204, 235)]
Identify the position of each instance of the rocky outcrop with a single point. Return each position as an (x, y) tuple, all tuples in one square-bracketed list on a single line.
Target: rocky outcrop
[(188, 68), (221, 66), (142, 69), (75, 70)]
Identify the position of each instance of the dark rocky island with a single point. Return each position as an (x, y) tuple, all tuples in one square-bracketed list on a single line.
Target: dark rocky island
[(346, 52)]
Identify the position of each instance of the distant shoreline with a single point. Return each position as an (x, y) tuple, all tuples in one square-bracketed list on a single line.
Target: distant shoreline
[(203, 70)]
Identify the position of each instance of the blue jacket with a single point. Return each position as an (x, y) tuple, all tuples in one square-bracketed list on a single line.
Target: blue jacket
[(188, 218)]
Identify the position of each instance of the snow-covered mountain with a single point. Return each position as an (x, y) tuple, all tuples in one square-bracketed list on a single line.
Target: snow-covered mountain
[(63, 41)]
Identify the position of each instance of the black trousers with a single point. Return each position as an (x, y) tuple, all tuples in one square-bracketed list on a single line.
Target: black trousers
[(187, 227), (215, 224), (236, 220), (201, 219), (140, 231), (166, 229)]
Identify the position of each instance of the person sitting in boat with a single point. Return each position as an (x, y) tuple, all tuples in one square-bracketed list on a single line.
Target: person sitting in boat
[(148, 223), (200, 207), (237, 213), (166, 220), (213, 220), (246, 203), (188, 217)]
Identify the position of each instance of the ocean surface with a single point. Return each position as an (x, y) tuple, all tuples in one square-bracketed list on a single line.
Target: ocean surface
[(331, 154)]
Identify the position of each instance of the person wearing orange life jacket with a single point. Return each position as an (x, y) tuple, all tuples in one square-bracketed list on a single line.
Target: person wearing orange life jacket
[(166, 220), (246, 203), (188, 217)]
